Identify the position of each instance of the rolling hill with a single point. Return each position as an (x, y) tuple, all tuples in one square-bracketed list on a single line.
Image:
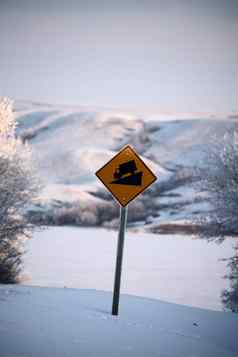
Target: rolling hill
[(70, 143)]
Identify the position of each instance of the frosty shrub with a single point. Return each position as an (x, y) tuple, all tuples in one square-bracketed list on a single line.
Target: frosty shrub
[(220, 181), (74, 215), (18, 187), (230, 297)]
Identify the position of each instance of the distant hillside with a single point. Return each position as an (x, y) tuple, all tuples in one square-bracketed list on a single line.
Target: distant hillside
[(70, 144)]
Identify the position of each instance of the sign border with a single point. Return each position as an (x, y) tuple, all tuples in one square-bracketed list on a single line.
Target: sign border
[(138, 157)]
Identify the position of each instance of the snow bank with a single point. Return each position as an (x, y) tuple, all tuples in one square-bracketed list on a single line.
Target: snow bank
[(40, 322)]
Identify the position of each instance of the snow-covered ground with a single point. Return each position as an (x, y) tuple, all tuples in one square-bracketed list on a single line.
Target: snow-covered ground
[(171, 268), (41, 322)]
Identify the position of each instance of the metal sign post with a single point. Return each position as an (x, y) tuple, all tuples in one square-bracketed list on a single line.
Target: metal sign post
[(125, 176), (120, 245)]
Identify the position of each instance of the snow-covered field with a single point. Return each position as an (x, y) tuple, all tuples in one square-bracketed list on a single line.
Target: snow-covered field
[(170, 268), (41, 322)]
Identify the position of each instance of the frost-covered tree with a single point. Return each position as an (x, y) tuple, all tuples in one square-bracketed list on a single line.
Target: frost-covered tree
[(230, 297), (220, 181), (18, 187)]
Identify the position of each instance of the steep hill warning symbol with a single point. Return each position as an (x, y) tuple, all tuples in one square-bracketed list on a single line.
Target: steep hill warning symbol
[(126, 175)]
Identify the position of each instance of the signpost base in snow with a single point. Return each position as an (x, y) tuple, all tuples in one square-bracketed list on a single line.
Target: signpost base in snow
[(120, 245)]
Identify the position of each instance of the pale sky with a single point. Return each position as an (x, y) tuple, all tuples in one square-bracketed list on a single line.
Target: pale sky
[(170, 55)]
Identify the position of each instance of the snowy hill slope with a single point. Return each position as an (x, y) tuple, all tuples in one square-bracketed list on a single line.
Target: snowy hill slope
[(70, 144), (52, 322)]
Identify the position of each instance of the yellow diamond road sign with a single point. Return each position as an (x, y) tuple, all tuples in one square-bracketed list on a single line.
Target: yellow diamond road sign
[(126, 175)]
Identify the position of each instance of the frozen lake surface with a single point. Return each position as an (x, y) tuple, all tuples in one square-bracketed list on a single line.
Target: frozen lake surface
[(171, 268)]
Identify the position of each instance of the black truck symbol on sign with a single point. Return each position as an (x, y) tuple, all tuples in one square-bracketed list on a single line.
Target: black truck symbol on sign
[(125, 168), (125, 174)]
